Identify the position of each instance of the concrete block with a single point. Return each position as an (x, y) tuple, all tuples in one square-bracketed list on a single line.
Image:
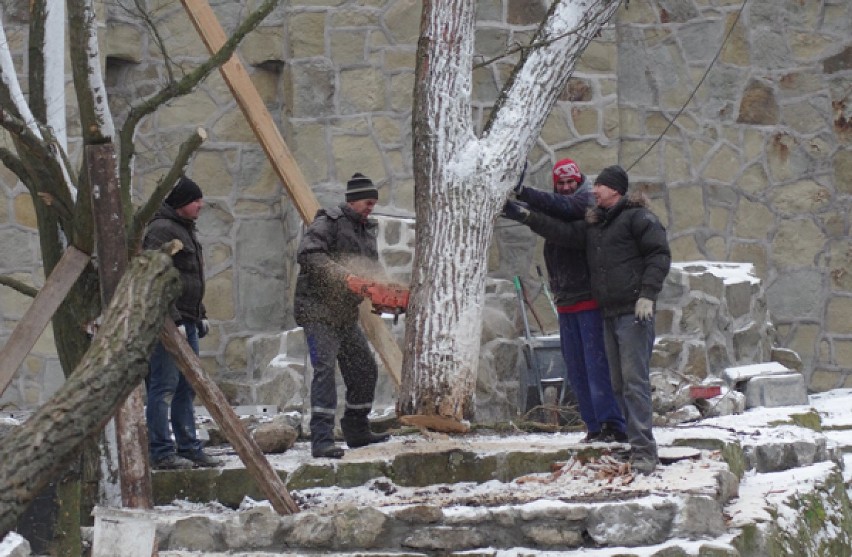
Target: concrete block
[(776, 390), (129, 535), (734, 375)]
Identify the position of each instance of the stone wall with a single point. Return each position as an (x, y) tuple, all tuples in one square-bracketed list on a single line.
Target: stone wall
[(756, 167)]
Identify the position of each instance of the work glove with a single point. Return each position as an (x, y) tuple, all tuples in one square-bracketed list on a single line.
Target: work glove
[(203, 327), (182, 330), (515, 210), (644, 309), (519, 187)]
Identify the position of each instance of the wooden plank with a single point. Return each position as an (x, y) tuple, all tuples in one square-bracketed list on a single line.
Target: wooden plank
[(285, 166), (39, 314), (111, 241), (256, 463)]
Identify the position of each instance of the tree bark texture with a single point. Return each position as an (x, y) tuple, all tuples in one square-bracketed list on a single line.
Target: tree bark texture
[(114, 364), (461, 182)]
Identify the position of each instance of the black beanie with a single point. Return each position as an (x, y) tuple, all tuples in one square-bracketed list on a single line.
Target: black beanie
[(360, 187), (185, 192), (615, 177)]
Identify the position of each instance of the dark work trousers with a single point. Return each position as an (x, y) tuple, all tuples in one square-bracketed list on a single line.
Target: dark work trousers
[(170, 398), (629, 344), (581, 338), (347, 346)]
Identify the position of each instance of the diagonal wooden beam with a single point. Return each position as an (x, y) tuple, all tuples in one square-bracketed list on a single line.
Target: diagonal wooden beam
[(39, 314), (256, 463), (285, 166)]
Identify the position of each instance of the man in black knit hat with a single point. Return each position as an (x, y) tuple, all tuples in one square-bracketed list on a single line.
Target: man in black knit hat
[(337, 246), (170, 396), (629, 257)]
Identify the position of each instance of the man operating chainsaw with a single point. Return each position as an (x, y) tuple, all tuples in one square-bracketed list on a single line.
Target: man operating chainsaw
[(337, 253)]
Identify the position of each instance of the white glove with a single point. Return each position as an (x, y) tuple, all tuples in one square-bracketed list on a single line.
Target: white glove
[(182, 330), (203, 327), (644, 309)]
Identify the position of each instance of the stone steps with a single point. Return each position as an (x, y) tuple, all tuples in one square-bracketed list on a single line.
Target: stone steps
[(772, 488)]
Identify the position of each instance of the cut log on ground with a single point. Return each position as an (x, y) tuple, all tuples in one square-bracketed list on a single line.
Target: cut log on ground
[(35, 453)]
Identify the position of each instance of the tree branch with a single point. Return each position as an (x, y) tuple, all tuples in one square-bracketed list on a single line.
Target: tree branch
[(144, 214), (115, 363), (11, 161), (21, 287), (180, 88)]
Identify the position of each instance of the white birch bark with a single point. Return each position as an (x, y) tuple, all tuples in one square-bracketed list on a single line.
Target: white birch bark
[(103, 116), (54, 72), (462, 181)]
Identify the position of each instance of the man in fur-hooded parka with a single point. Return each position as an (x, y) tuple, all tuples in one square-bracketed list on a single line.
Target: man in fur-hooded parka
[(629, 257)]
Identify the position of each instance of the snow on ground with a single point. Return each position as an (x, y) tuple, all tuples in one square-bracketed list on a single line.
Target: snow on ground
[(596, 482)]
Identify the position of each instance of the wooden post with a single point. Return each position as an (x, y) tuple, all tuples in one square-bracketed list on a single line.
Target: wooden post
[(38, 315), (256, 463), (111, 243), (285, 166)]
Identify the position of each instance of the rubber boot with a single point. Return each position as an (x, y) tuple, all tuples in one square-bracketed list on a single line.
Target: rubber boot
[(322, 437), (356, 432)]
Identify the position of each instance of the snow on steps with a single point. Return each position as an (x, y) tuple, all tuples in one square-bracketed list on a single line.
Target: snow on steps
[(764, 485)]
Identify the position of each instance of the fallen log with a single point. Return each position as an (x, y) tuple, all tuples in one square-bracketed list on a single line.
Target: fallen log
[(32, 455)]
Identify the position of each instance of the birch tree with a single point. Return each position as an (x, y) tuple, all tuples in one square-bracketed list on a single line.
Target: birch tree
[(462, 180)]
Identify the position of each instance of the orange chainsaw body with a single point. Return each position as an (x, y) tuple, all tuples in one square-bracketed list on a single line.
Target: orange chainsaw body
[(385, 297)]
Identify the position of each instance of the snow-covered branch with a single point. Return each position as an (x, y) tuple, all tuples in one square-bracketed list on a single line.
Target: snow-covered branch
[(542, 75)]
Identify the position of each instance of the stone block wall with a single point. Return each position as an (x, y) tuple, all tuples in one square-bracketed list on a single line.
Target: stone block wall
[(750, 163)]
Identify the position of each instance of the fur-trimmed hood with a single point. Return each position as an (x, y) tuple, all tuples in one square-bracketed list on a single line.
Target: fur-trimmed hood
[(632, 200)]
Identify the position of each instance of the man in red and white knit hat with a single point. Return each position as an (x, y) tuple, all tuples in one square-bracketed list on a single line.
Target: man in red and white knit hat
[(580, 321)]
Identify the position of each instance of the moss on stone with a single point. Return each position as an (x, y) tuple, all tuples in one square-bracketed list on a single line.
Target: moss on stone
[(353, 474), (809, 420), (312, 475), (445, 467), (823, 524)]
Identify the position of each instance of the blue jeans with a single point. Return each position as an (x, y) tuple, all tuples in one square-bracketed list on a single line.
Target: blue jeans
[(629, 343), (347, 346), (170, 393), (581, 338)]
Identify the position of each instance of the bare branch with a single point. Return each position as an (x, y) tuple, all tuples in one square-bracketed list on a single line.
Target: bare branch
[(142, 12), (11, 161), (144, 214), (21, 287), (96, 123), (183, 87)]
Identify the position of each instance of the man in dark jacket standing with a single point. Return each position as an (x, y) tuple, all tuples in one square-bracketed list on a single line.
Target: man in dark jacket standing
[(629, 258), (169, 394), (580, 322), (337, 246)]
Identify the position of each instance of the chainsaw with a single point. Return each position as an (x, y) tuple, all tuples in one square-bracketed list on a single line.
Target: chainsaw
[(385, 297)]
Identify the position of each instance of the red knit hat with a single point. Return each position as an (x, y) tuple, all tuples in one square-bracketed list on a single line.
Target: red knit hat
[(566, 168)]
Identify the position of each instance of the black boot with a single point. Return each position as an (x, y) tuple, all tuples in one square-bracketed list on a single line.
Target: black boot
[(327, 451), (356, 432)]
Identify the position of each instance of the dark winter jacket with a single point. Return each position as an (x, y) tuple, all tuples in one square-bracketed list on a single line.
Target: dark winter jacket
[(567, 270), (626, 247), (167, 225), (337, 243)]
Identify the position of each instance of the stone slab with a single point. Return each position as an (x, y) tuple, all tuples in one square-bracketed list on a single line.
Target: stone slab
[(734, 375), (776, 390)]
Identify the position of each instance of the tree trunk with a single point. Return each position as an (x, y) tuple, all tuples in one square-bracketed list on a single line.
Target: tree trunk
[(461, 182), (115, 363)]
